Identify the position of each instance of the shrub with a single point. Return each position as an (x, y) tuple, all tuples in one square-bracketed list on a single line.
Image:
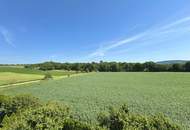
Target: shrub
[(18, 103), (9, 106), (122, 119), (28, 113), (47, 76), (48, 116), (71, 124)]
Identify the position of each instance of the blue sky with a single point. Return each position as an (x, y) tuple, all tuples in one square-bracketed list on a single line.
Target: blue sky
[(34, 31)]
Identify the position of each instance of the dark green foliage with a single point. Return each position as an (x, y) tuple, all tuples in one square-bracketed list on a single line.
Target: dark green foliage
[(112, 67), (48, 116), (48, 66), (47, 76), (122, 119), (138, 67), (160, 122), (187, 67), (10, 106), (71, 124), (101, 66), (27, 113), (17, 103), (177, 67), (150, 66)]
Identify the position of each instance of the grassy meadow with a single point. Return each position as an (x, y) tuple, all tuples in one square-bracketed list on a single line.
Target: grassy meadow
[(145, 93), (21, 70), (14, 74), (10, 78)]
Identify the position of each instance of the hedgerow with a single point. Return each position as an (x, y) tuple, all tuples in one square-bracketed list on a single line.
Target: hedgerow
[(29, 113), (123, 119)]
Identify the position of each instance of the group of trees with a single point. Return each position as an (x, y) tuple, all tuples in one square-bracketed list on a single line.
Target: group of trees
[(112, 67), (29, 113)]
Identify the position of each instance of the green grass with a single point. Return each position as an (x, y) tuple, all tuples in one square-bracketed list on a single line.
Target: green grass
[(60, 72), (12, 66), (34, 71), (10, 78), (15, 74), (145, 93)]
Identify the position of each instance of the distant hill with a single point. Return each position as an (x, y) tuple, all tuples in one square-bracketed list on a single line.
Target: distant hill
[(173, 62)]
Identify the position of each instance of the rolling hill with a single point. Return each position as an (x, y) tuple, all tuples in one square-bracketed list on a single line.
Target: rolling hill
[(172, 62)]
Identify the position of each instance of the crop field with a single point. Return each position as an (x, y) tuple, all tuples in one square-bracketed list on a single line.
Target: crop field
[(145, 93), (33, 71), (10, 78), (14, 74)]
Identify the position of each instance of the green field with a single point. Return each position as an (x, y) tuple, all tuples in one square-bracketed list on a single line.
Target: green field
[(145, 93), (34, 71), (10, 78), (14, 74)]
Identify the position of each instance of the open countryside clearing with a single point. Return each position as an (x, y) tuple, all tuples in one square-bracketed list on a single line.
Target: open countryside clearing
[(15, 75), (35, 71), (145, 93), (11, 78)]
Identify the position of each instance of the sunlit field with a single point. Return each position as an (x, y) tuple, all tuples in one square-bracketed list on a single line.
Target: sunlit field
[(21, 70), (11, 75), (145, 93), (11, 78)]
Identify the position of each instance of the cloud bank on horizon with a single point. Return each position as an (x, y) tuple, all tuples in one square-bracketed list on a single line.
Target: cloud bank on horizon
[(150, 36)]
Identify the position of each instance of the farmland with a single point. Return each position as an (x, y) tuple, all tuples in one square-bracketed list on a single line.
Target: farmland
[(10, 78), (145, 93), (14, 74), (33, 71)]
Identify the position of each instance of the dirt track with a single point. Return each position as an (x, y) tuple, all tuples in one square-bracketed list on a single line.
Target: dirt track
[(34, 81)]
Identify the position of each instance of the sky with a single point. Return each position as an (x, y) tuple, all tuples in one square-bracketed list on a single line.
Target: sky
[(33, 31)]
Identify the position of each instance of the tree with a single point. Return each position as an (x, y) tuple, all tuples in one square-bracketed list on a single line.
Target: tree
[(177, 67), (187, 66), (150, 66), (47, 76), (138, 67), (76, 67), (114, 67)]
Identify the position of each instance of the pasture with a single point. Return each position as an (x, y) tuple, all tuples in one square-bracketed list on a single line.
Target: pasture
[(34, 71), (11, 78), (145, 93), (15, 74)]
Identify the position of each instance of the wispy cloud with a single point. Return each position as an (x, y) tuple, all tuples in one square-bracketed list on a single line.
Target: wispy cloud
[(6, 35), (152, 35), (176, 23), (101, 51)]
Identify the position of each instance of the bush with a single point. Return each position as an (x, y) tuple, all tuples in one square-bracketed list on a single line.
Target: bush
[(48, 76), (48, 116), (71, 124), (9, 106), (17, 103), (122, 119), (28, 113)]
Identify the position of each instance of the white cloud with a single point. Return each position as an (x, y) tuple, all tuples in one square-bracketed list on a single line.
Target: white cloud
[(6, 35), (178, 22), (152, 35)]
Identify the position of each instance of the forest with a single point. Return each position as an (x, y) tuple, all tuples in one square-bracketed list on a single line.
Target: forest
[(112, 67)]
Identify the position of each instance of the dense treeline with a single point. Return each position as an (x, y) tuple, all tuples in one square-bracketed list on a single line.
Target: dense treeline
[(112, 67), (29, 113)]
